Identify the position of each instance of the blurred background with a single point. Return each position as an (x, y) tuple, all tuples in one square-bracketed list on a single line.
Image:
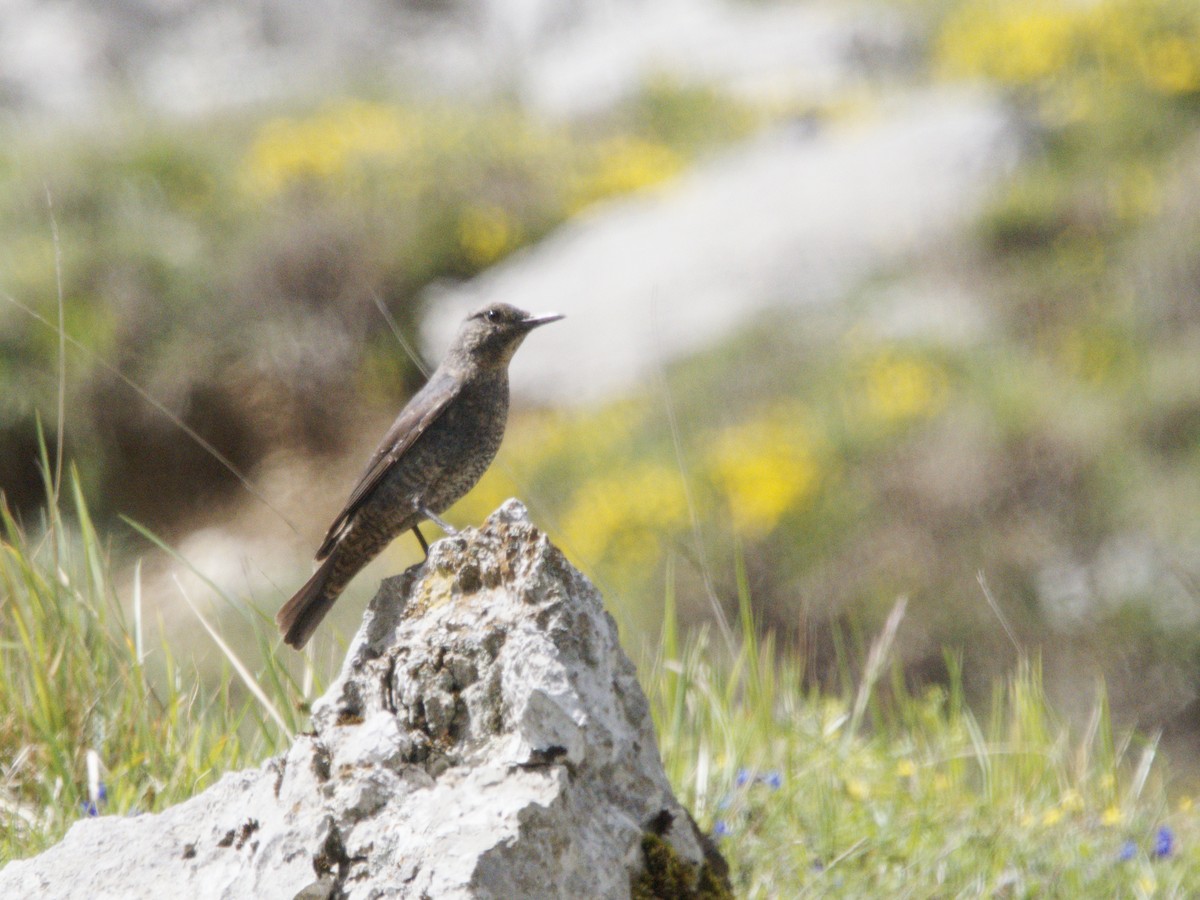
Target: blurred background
[(864, 300)]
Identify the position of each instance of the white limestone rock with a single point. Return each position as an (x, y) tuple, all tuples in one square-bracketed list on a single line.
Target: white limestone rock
[(486, 738)]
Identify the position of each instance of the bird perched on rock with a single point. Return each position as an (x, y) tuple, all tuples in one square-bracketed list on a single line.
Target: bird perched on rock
[(436, 450)]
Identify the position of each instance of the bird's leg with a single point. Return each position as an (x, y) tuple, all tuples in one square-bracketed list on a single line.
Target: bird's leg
[(421, 540), (436, 519)]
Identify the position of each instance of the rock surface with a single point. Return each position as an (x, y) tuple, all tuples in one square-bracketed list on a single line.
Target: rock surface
[(793, 220), (560, 59), (487, 737)]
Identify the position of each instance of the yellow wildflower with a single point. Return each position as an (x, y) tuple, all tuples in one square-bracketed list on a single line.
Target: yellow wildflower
[(485, 233), (324, 145), (1015, 44), (858, 789), (902, 388), (624, 165), (1173, 65), (767, 467), (613, 514), (1071, 801), (1154, 44)]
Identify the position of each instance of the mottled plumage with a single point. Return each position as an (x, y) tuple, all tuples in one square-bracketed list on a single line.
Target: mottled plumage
[(436, 450)]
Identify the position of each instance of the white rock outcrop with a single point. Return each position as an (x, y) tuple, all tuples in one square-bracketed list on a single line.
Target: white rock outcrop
[(487, 737), (793, 221)]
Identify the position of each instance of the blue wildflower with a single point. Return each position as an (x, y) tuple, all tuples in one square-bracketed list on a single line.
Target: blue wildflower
[(744, 776), (1164, 842), (773, 780), (101, 793), (88, 808), (722, 829), (1128, 851)]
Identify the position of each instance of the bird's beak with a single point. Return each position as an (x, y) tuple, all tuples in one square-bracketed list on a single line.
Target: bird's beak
[(544, 319)]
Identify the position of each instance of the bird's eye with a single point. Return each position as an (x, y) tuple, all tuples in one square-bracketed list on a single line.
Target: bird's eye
[(494, 316)]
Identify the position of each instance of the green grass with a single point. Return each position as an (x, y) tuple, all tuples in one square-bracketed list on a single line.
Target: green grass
[(866, 791), (80, 674), (875, 792)]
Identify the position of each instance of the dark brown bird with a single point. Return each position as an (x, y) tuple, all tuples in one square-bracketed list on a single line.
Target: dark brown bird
[(436, 450)]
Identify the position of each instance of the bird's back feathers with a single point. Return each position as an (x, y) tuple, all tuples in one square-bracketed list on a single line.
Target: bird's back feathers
[(414, 420)]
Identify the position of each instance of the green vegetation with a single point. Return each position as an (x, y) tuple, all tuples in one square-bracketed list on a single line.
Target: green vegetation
[(232, 267), (1053, 449), (79, 673), (872, 791), (866, 790), (822, 467)]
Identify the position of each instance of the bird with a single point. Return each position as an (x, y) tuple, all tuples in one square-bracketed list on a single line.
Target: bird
[(436, 451)]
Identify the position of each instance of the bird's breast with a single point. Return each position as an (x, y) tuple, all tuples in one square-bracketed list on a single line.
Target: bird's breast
[(458, 447)]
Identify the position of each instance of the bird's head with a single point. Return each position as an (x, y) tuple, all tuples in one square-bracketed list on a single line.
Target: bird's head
[(490, 336)]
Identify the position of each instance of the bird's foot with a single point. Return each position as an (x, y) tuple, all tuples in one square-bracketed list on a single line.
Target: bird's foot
[(421, 539), (437, 520)]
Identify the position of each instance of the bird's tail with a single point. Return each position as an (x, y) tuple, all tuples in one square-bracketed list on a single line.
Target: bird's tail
[(300, 616)]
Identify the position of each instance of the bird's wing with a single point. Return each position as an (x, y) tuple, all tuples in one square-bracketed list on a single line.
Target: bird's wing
[(424, 408)]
